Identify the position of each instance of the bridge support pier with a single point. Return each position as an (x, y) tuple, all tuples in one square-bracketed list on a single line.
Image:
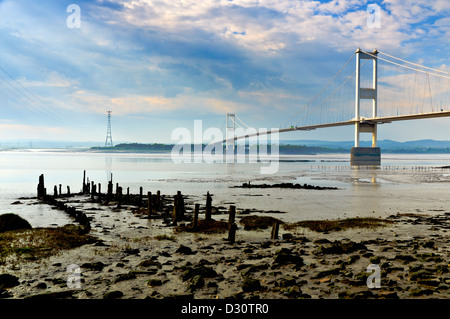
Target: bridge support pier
[(365, 156)]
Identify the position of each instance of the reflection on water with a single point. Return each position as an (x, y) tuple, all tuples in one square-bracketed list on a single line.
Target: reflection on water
[(402, 183)]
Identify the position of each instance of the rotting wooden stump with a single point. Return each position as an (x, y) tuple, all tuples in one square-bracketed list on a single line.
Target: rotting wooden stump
[(195, 221), (41, 190), (178, 208), (149, 203), (232, 225), (208, 206), (275, 228)]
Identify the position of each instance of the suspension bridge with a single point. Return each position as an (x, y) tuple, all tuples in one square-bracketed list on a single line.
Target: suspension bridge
[(380, 89)]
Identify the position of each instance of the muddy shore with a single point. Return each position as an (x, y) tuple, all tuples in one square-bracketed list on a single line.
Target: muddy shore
[(137, 256)]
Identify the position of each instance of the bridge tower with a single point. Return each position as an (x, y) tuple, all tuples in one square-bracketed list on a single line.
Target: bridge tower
[(366, 155), (230, 132)]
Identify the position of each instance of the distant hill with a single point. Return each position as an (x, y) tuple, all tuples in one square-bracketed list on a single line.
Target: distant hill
[(419, 146)]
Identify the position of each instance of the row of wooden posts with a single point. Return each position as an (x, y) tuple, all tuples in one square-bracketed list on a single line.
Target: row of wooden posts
[(153, 205)]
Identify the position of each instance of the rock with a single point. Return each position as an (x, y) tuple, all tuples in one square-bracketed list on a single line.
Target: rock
[(251, 284), (132, 251), (431, 282), (420, 292), (294, 292), (196, 282), (155, 282), (249, 268), (13, 222), (286, 281), (405, 258), (341, 248), (98, 266), (149, 263), (206, 272), (8, 281), (421, 274), (185, 250), (123, 277), (284, 256), (287, 236), (53, 295), (113, 294), (41, 285), (326, 273), (5, 294)]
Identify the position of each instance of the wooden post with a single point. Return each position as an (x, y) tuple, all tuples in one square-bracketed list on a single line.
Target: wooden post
[(99, 192), (174, 213), (55, 191), (84, 181), (158, 200), (110, 189), (140, 196), (68, 190), (208, 207), (41, 188), (275, 227), (119, 197), (60, 189), (195, 222), (231, 225), (180, 206), (149, 198)]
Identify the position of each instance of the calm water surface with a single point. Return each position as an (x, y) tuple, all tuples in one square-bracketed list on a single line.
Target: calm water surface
[(404, 183)]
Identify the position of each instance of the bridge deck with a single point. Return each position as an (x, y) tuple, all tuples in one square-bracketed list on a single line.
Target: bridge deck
[(376, 120)]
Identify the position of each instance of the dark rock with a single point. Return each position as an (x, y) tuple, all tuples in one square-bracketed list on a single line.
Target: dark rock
[(420, 292), (41, 285), (8, 281), (5, 294), (132, 251), (155, 282), (286, 281), (53, 295), (251, 284), (123, 277), (206, 272), (13, 222), (287, 236), (294, 292), (285, 256), (325, 273), (113, 294), (196, 282), (149, 263), (341, 248), (98, 266), (405, 258), (185, 250)]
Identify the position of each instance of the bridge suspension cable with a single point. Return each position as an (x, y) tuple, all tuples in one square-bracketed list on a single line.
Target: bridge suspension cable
[(318, 94), (419, 65)]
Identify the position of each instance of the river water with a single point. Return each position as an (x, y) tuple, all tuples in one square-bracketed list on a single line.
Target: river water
[(403, 183)]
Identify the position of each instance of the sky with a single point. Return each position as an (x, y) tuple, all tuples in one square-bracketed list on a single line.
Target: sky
[(161, 65)]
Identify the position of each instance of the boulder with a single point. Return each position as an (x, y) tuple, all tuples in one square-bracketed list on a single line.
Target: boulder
[(251, 284), (8, 281), (13, 222)]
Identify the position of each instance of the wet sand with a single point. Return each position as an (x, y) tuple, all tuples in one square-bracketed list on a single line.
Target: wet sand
[(138, 257)]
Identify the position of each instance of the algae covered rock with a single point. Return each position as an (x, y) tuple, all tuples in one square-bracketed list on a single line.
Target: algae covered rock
[(13, 222)]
